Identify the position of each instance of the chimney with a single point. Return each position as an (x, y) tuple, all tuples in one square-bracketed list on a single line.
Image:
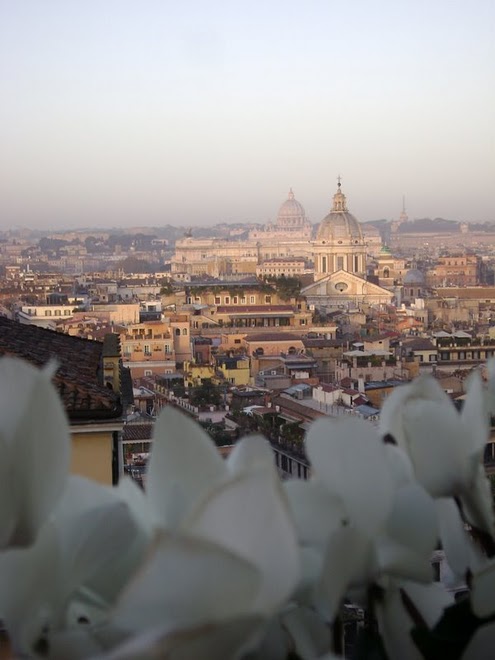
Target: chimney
[(361, 385)]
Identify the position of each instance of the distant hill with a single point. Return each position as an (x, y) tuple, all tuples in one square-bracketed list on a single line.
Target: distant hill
[(427, 225)]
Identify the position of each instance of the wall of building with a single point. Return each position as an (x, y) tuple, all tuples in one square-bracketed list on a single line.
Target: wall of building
[(92, 455)]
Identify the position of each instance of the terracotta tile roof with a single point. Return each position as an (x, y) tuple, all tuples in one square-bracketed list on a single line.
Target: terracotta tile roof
[(326, 387), (272, 336), (78, 377), (299, 410), (137, 432), (237, 309)]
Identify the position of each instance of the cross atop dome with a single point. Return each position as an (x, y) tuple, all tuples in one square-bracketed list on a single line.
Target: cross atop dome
[(291, 194), (339, 200)]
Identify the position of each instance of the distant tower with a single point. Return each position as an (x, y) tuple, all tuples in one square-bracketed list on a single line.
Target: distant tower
[(403, 216)]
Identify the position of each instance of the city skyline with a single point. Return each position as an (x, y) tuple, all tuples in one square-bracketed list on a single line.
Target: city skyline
[(115, 114)]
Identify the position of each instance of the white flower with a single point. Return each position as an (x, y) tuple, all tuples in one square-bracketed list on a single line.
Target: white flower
[(222, 522), (445, 447), (35, 450), (157, 563), (396, 620), (360, 515), (70, 576)]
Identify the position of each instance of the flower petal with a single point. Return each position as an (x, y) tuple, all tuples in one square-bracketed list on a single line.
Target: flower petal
[(311, 637), (349, 458), (422, 388), (475, 417), (460, 552), (412, 523), (186, 582), (434, 442), (249, 516), (184, 465), (481, 644), (36, 446), (28, 597), (316, 512), (476, 498), (227, 640), (342, 568), (253, 452), (483, 588)]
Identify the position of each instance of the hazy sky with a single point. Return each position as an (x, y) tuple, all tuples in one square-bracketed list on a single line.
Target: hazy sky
[(148, 112)]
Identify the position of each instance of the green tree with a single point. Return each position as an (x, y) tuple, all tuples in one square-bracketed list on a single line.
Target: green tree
[(207, 394)]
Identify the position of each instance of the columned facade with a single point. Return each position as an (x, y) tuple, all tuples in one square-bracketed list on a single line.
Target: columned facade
[(339, 243)]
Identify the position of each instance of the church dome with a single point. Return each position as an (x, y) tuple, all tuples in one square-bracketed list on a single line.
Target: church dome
[(340, 226), (414, 277), (291, 212)]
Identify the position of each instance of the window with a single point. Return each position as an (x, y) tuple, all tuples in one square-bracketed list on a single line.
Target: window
[(340, 263), (235, 300), (148, 372), (184, 331), (66, 312), (251, 300), (268, 300), (237, 341), (147, 349), (243, 300), (58, 312), (167, 349), (217, 300), (177, 332), (356, 263), (227, 300), (324, 264), (48, 312)]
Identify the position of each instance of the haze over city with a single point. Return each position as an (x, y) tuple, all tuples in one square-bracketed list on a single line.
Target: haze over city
[(120, 113)]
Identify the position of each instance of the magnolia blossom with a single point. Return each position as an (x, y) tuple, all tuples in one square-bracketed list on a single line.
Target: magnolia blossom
[(35, 449), (360, 515), (445, 447)]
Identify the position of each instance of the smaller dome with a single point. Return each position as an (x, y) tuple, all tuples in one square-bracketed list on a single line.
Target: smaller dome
[(414, 276), (291, 210)]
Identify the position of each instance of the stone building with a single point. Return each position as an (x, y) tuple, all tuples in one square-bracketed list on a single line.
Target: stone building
[(291, 223), (339, 242)]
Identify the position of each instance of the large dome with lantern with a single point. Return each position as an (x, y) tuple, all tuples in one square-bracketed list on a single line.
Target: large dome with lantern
[(291, 214), (339, 226)]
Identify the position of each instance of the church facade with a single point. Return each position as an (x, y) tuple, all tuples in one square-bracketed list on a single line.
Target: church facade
[(344, 290), (337, 253)]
